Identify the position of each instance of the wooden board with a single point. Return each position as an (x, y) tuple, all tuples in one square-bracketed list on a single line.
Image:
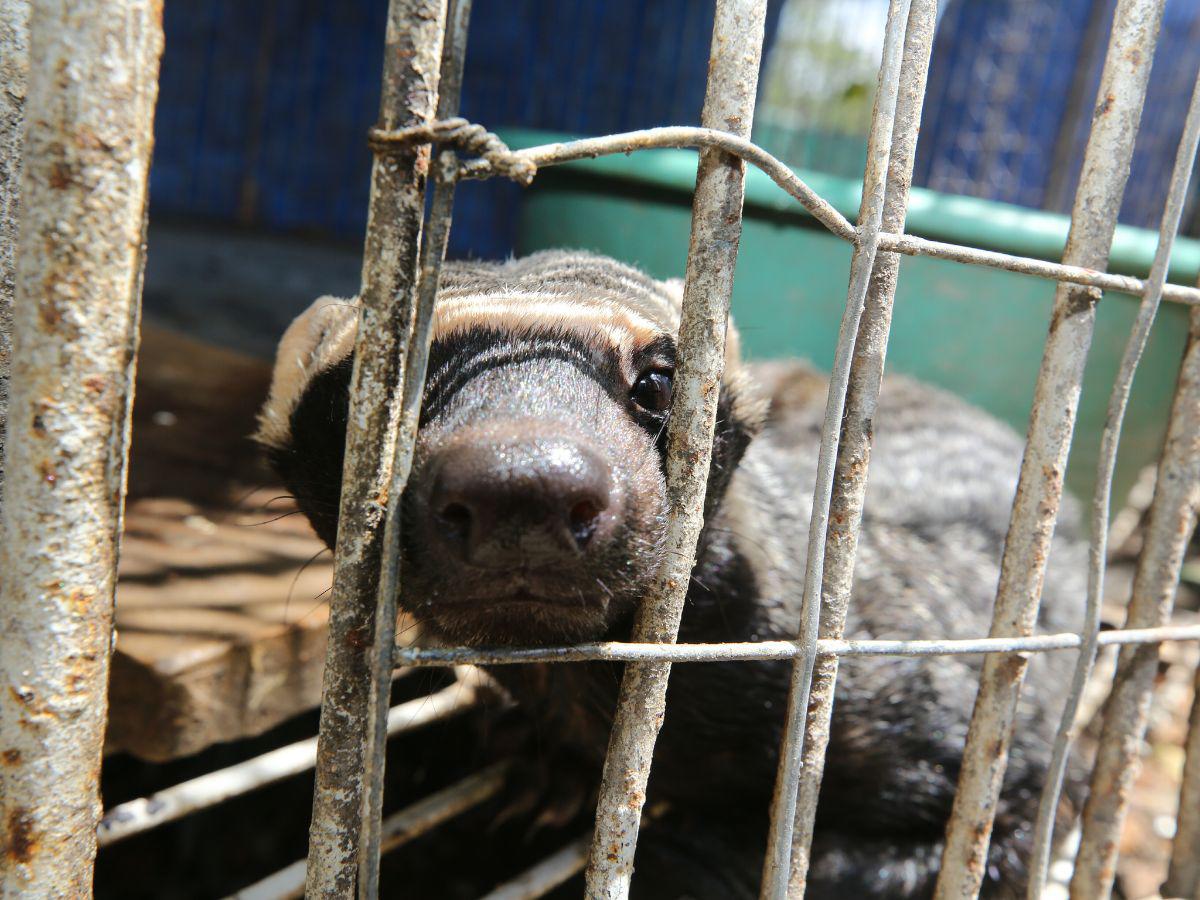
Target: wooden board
[(221, 613)]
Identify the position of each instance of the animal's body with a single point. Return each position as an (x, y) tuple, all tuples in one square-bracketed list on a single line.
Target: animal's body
[(535, 515)]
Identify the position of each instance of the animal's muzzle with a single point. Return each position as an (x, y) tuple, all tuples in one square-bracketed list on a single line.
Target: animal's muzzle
[(519, 501)]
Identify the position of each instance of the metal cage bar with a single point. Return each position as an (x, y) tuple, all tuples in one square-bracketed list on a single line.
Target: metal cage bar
[(708, 284), (1040, 485), (1172, 519), (92, 84), (433, 251), (854, 448), (1183, 876), (361, 629), (777, 865), (1098, 548)]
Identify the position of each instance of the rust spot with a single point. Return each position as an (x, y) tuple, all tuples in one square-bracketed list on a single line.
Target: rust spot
[(24, 696), (358, 638), (61, 177), (95, 383), (1106, 107), (38, 425), (47, 472), (49, 313), (10, 757), (20, 844)]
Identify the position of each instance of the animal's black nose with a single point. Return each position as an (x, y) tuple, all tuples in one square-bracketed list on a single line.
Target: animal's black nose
[(521, 502)]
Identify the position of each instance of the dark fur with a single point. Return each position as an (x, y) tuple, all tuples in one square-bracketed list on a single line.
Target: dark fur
[(942, 479)]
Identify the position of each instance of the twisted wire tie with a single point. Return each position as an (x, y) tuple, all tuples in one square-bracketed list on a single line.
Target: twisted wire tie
[(467, 136)]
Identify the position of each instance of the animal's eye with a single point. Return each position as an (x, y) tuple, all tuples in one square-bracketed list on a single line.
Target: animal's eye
[(652, 391)]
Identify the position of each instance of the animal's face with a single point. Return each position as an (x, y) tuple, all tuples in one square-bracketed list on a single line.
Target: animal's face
[(535, 510)]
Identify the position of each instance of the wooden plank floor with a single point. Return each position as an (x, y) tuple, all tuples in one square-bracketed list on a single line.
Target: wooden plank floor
[(221, 612)]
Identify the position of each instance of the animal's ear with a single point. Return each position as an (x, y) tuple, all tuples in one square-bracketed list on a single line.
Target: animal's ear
[(320, 337)]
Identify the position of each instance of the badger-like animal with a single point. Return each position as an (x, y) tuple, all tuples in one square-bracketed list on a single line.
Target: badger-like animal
[(535, 515)]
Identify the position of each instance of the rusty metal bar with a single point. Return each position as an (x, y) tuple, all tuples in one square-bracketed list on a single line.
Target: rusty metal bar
[(854, 449), (1172, 518), (1183, 876), (734, 651), (777, 865), (93, 81), (360, 628), (1128, 729), (539, 880), (397, 830), (14, 73), (1056, 397), (416, 357), (712, 254), (179, 800)]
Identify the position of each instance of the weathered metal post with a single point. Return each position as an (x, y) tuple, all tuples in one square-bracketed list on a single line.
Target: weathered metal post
[(93, 81), (416, 357), (14, 73), (361, 629), (1056, 398), (1183, 877), (854, 447), (738, 30)]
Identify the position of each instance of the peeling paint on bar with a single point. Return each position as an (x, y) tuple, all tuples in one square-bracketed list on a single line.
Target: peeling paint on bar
[(1129, 702), (360, 629), (1056, 396), (854, 450), (89, 110), (712, 254), (777, 864)]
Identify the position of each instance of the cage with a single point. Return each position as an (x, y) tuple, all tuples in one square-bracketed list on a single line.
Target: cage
[(76, 292)]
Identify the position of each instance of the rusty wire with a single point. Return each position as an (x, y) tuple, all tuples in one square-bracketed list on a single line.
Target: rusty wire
[(1177, 196), (854, 449), (92, 84), (778, 863)]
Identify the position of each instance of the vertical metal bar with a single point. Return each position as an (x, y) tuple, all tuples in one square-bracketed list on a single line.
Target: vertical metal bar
[(712, 254), (777, 865), (14, 73), (1172, 518), (93, 81), (1146, 611), (360, 629), (854, 447), (433, 251), (1056, 399), (1183, 877)]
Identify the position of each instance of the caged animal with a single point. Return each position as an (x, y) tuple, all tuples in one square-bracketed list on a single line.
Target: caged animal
[(535, 514)]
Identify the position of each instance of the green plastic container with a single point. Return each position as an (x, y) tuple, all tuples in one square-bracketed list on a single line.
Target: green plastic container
[(973, 330)]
